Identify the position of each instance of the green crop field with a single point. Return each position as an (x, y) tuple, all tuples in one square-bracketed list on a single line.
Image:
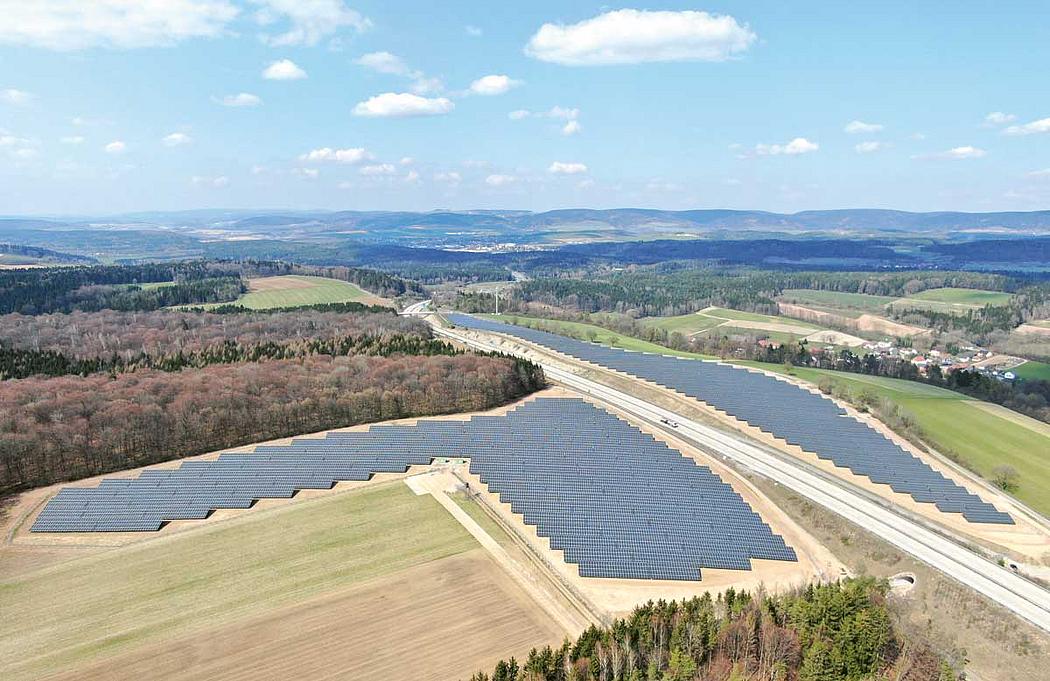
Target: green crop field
[(835, 300), (964, 296), (686, 324), (953, 422), (1037, 371), (294, 290), (67, 614)]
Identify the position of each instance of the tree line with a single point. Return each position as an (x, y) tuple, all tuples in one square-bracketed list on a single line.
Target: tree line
[(842, 631)]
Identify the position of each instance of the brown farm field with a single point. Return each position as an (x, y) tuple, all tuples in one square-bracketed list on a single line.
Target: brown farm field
[(372, 583)]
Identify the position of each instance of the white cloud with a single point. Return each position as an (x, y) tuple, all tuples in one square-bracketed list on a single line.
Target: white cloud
[(560, 168), (563, 113), (473, 31), (411, 177), (519, 114), (955, 154), (799, 145), (258, 169), (1045, 172), (385, 62), (585, 184), (860, 127), (216, 182), (402, 104), (378, 169), (495, 84), (999, 118), (499, 180), (115, 147), (176, 139), (283, 69), (121, 24), (350, 155), (240, 99), (308, 173), (571, 128), (451, 177), (630, 36), (16, 97), (407, 160), (1042, 125), (73, 139), (869, 147), (309, 21)]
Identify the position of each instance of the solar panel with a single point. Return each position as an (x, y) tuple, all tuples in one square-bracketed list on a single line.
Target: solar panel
[(797, 416), (619, 503)]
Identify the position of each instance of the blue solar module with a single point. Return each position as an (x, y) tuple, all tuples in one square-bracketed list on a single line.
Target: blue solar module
[(616, 501), (812, 422)]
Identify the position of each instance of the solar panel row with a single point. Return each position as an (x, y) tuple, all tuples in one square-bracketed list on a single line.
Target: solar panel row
[(812, 422), (619, 503)]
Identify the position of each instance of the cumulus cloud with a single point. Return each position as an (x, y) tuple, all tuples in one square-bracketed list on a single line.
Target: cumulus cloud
[(115, 147), (176, 139), (216, 182), (240, 99), (328, 154), (411, 177), (283, 69), (519, 114), (307, 173), (402, 104), (869, 147), (307, 22), (1044, 173), (630, 36), (379, 169), (495, 84), (1042, 125), (497, 180), (120, 24), (797, 146), (16, 97), (999, 118), (860, 127), (571, 128), (561, 168), (955, 154)]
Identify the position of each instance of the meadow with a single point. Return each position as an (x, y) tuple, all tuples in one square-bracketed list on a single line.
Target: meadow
[(294, 290)]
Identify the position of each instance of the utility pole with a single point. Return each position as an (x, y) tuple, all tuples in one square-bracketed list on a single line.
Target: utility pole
[(495, 292)]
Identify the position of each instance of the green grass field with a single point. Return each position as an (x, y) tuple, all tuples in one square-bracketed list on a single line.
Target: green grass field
[(1036, 371), (953, 422), (72, 612), (686, 324), (319, 290), (833, 300), (964, 296)]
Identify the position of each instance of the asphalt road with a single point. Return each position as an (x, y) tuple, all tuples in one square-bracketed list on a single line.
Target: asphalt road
[(1022, 597)]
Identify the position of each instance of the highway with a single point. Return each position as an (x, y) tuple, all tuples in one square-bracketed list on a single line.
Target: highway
[(1024, 598)]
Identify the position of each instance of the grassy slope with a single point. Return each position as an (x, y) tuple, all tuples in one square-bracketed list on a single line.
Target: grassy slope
[(77, 610), (322, 290), (686, 324), (956, 423), (964, 296), (836, 299), (1033, 370)]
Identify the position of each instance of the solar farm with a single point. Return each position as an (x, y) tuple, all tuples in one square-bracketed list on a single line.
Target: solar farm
[(812, 422), (619, 503)]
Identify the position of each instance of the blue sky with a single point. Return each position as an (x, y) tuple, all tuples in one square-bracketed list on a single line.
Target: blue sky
[(416, 105)]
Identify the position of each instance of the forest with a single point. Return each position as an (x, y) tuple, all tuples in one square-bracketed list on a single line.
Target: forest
[(842, 631), (127, 287), (54, 429)]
